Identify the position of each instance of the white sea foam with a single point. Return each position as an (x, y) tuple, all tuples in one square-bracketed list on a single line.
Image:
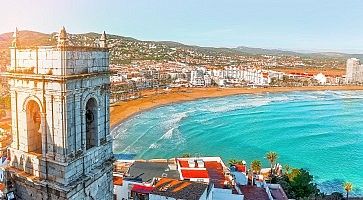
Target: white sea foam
[(231, 106), (177, 117), (172, 122), (281, 99), (168, 134), (170, 126), (132, 145), (119, 133), (153, 146)]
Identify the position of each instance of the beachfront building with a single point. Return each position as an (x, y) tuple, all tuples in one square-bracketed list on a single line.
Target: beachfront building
[(62, 147), (240, 76), (255, 76), (354, 71), (321, 79), (199, 77)]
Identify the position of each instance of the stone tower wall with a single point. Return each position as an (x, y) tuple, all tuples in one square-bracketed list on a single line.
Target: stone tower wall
[(61, 81)]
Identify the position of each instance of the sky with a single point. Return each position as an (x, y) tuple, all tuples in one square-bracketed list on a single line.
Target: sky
[(301, 25)]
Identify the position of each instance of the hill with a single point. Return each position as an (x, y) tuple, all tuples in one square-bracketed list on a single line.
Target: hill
[(124, 50)]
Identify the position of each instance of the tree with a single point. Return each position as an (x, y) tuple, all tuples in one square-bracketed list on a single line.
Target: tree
[(232, 162), (294, 173), (302, 184), (256, 166), (348, 188), (298, 184), (271, 157), (287, 169), (235, 162)]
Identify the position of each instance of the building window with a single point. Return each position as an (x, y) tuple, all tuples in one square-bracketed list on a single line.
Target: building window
[(34, 127), (91, 118)]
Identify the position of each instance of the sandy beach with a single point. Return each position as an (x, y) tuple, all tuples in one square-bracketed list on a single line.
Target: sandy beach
[(151, 99)]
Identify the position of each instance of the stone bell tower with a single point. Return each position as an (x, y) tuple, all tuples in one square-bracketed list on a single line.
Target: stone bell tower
[(62, 147)]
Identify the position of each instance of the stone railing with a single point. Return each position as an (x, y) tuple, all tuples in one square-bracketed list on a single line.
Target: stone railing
[(27, 162)]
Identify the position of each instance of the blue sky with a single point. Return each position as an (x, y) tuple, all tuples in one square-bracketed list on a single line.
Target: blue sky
[(318, 25)]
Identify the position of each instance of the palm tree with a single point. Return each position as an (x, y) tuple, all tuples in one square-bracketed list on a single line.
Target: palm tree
[(271, 157), (235, 162), (256, 168), (232, 162), (348, 188)]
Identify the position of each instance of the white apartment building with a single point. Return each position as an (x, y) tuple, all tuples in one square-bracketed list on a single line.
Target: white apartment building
[(118, 77), (247, 74), (354, 71), (199, 78)]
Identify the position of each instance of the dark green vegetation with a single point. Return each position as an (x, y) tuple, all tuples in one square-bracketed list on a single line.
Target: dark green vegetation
[(298, 184)]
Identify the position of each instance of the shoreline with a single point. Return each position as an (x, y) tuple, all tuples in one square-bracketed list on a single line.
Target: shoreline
[(121, 111)]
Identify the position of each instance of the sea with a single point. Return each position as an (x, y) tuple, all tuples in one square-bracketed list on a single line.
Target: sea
[(321, 131)]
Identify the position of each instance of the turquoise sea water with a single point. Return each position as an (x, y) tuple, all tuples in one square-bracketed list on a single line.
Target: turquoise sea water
[(320, 131)]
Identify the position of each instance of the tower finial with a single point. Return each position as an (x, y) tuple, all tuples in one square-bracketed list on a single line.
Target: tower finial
[(103, 40), (15, 37), (62, 37)]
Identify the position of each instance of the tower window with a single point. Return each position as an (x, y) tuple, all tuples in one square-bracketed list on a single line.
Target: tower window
[(91, 117), (34, 127)]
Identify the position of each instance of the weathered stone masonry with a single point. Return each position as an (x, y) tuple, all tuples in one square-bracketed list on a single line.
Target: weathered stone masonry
[(62, 147)]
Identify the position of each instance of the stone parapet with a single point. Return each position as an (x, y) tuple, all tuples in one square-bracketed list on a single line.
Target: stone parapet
[(59, 61), (27, 162)]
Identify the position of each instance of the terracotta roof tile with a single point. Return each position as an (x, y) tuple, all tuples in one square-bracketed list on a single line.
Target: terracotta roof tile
[(179, 189)]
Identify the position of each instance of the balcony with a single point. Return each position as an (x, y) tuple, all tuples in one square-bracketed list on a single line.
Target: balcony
[(29, 163)]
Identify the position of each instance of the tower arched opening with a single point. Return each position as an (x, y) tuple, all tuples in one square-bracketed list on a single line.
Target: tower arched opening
[(91, 117), (34, 132)]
